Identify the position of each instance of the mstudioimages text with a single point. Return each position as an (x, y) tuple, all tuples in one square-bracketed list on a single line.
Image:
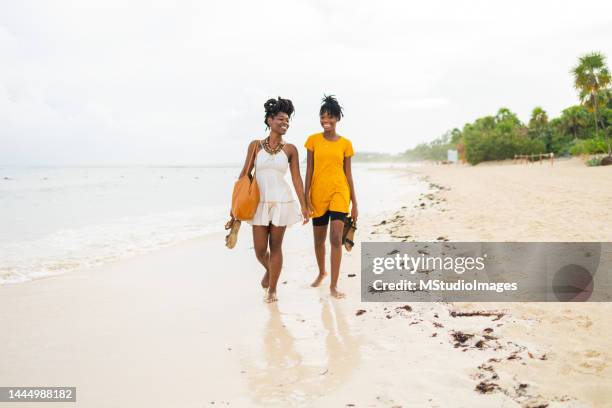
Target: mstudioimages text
[(438, 285), (413, 264)]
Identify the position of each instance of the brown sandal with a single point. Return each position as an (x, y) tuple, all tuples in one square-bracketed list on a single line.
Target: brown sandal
[(230, 239), (349, 233)]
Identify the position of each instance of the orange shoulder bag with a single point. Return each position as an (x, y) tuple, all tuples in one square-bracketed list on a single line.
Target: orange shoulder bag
[(245, 196)]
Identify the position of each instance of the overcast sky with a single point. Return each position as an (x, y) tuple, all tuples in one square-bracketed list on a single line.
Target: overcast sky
[(184, 82)]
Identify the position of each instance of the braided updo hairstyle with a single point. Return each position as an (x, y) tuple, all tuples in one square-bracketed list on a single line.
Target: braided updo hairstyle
[(331, 107), (275, 106)]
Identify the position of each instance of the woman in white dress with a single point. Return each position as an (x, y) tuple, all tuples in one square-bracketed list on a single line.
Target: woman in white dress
[(276, 209)]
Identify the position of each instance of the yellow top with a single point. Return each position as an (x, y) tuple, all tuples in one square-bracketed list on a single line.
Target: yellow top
[(329, 189)]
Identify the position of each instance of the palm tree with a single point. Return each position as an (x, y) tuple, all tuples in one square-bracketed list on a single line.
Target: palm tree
[(539, 119), (538, 124), (592, 79), (572, 119), (505, 114)]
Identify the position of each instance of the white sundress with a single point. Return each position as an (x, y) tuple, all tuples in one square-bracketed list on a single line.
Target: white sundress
[(276, 203)]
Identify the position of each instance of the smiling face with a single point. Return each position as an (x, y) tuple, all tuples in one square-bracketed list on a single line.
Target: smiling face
[(279, 123), (328, 122)]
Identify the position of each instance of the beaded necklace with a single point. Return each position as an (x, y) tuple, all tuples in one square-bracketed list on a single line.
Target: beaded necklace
[(276, 149)]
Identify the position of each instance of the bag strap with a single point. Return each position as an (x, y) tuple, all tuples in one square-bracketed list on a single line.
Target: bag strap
[(252, 161)]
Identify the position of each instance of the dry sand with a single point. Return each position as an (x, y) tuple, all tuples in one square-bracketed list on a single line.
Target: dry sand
[(502, 201), (505, 201), (187, 327)]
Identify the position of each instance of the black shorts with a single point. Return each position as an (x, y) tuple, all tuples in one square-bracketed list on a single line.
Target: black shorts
[(324, 219)]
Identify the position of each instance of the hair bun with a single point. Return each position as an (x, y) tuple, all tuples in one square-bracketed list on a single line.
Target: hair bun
[(270, 104), (329, 99), (331, 106), (274, 106)]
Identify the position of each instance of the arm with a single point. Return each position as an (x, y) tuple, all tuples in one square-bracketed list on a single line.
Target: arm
[(296, 178), (309, 171), (349, 178), (248, 165)]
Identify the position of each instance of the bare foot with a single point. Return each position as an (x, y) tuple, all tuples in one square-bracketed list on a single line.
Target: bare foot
[(265, 281), (319, 279), (336, 293), (270, 297)]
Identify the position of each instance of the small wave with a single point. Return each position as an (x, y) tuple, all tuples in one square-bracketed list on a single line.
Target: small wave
[(95, 245)]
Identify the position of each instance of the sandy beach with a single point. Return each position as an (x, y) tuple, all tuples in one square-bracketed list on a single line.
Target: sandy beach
[(505, 201), (186, 326)]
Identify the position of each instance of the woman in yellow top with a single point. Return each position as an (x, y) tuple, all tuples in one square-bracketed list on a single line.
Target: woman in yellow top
[(329, 189)]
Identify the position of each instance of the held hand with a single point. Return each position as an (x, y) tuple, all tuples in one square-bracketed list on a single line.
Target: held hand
[(309, 207), (354, 213), (305, 215)]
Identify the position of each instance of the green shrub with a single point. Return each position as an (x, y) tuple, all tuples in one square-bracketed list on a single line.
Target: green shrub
[(589, 146), (594, 161)]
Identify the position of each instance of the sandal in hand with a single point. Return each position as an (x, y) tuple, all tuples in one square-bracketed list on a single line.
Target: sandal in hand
[(349, 233), (230, 239)]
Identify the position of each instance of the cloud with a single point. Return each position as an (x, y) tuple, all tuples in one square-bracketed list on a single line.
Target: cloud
[(141, 82)]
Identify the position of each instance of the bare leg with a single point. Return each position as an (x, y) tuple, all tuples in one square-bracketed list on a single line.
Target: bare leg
[(260, 243), (276, 260), (335, 239), (320, 233)]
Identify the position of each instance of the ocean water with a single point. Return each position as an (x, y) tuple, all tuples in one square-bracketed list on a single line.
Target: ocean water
[(56, 219)]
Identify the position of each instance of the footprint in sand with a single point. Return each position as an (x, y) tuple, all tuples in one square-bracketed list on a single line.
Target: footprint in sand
[(593, 362), (580, 320), (584, 321)]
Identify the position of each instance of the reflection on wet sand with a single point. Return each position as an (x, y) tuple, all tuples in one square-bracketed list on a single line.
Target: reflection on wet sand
[(283, 376)]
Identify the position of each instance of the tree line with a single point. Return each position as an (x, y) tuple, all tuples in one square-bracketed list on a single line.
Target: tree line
[(580, 129)]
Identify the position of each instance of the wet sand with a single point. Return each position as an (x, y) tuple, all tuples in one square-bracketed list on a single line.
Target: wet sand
[(179, 328)]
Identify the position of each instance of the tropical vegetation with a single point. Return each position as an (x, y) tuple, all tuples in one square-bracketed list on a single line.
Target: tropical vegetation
[(582, 129)]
